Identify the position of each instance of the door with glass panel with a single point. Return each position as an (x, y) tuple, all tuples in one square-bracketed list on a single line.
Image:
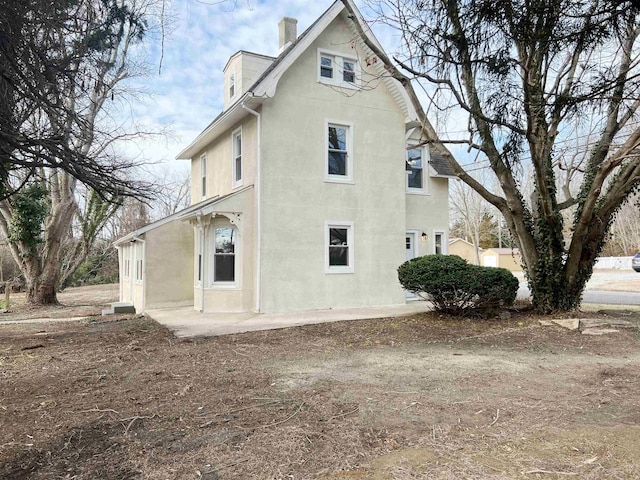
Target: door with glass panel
[(410, 248)]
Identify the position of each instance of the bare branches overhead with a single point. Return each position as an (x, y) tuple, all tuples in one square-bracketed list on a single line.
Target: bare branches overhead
[(61, 64), (528, 76)]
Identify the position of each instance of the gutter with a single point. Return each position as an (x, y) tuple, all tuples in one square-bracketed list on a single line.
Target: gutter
[(258, 206)]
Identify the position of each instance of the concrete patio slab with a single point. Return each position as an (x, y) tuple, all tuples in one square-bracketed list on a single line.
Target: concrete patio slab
[(186, 322)]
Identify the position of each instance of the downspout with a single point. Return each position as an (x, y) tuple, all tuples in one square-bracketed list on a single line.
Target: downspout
[(258, 206)]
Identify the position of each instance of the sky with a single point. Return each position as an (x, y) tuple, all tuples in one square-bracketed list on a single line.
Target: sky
[(187, 92)]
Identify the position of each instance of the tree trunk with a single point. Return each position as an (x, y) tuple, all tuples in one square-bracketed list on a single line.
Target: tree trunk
[(42, 291)]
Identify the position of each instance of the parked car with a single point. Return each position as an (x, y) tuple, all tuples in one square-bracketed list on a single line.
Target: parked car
[(635, 263)]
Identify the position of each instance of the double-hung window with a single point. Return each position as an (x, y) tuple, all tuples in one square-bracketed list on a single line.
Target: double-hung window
[(338, 70), (224, 255), (326, 66), (416, 179), (203, 174), (237, 158), (339, 158), (339, 247)]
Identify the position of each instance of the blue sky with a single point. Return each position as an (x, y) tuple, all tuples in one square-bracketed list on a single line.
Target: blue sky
[(187, 94)]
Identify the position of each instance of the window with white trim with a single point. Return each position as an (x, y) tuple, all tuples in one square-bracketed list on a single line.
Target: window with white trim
[(139, 265), (339, 158), (199, 259), (126, 254), (416, 179), (224, 254), (237, 158), (339, 247), (438, 243), (232, 85), (337, 69), (203, 174)]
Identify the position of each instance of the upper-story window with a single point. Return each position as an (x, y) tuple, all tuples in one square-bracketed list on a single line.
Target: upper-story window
[(416, 179), (232, 85), (203, 174), (337, 69), (339, 156), (237, 158)]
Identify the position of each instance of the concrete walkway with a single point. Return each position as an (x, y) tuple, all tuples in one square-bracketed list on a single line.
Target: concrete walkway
[(186, 322)]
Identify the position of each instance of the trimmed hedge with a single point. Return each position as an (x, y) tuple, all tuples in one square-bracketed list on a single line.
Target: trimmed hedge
[(455, 286)]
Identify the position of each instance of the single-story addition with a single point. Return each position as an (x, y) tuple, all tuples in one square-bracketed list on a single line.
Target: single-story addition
[(308, 191)]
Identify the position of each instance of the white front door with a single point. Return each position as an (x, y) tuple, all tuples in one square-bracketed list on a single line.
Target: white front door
[(410, 247)]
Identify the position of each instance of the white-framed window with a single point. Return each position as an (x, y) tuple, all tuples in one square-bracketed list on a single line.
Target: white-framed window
[(126, 262), (223, 269), (339, 152), (416, 172), (439, 245), (203, 175), (232, 85), (236, 167), (338, 247), (338, 69), (199, 258), (139, 264)]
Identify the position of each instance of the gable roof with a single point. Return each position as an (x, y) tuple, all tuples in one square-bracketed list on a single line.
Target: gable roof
[(453, 240), (265, 86), (179, 215)]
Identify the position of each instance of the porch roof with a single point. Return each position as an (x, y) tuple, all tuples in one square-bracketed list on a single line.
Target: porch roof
[(204, 207)]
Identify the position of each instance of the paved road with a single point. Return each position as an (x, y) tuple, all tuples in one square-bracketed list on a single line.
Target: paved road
[(602, 297), (611, 298)]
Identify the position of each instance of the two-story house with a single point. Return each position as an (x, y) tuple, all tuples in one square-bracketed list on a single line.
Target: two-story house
[(308, 190)]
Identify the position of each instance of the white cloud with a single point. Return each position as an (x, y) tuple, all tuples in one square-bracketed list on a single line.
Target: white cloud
[(188, 92)]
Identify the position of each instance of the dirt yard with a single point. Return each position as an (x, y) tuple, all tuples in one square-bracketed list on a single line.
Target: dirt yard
[(422, 397)]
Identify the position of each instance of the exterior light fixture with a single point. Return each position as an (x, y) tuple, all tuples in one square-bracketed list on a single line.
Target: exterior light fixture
[(424, 237)]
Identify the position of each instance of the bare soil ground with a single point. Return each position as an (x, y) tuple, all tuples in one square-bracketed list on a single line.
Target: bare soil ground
[(417, 397), (74, 302)]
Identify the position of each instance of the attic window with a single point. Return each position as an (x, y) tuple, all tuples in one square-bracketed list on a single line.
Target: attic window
[(326, 67), (232, 85), (337, 69), (348, 72)]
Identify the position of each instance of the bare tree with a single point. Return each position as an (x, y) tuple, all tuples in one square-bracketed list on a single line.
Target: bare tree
[(471, 210), (524, 73), (60, 61), (68, 68), (173, 192)]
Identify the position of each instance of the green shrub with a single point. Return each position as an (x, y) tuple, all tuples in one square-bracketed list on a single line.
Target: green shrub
[(457, 288)]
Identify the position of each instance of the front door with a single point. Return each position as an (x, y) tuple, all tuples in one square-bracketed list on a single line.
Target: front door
[(410, 247)]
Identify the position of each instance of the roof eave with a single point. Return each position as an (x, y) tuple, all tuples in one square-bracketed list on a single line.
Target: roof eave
[(225, 121)]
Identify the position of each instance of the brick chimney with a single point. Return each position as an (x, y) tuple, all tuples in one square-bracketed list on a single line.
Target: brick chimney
[(288, 31)]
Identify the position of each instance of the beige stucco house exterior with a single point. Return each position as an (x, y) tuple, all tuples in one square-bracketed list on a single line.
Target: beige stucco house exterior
[(306, 191)]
